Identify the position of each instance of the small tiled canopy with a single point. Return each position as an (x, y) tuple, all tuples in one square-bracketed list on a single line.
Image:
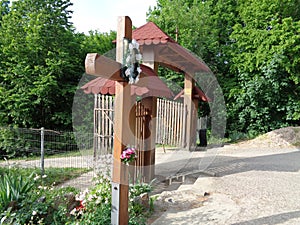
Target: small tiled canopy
[(168, 52)]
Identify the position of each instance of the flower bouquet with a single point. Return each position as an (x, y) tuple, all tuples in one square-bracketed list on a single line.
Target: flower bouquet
[(128, 155)]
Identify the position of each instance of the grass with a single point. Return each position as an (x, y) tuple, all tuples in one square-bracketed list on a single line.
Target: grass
[(57, 155), (53, 175)]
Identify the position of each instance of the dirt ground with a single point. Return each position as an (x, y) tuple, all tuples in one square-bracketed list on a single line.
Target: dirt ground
[(252, 182)]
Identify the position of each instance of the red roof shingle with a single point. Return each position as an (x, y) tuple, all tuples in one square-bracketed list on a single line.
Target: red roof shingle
[(167, 51), (149, 34)]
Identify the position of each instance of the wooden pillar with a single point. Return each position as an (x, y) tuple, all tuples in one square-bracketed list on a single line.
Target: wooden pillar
[(151, 104), (122, 133), (195, 121), (149, 145), (190, 135)]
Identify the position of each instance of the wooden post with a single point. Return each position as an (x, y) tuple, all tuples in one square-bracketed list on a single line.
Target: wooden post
[(190, 109), (195, 121), (122, 133), (150, 134), (151, 104)]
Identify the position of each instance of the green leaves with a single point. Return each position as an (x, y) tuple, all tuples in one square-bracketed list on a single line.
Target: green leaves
[(41, 63), (267, 66), (13, 187), (252, 47)]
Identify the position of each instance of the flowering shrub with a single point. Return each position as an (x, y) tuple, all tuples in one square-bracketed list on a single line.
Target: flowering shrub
[(51, 205), (96, 203), (128, 155)]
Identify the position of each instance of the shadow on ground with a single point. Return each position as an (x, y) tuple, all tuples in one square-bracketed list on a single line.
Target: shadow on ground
[(274, 219), (224, 165)]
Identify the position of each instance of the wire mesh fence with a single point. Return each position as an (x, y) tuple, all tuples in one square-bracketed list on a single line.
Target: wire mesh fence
[(45, 148)]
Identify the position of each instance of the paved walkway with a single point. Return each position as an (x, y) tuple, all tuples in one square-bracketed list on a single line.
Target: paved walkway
[(252, 186)]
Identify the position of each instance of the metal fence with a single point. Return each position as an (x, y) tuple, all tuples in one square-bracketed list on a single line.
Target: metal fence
[(75, 149), (70, 149)]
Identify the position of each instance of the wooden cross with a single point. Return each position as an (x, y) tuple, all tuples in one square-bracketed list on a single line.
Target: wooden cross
[(122, 132), (123, 120)]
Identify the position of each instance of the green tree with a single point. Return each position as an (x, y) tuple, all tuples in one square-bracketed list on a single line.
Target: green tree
[(41, 64), (4, 8), (83, 105), (252, 48), (266, 60), (98, 42)]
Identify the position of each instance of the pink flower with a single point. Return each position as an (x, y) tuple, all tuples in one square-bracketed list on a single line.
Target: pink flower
[(128, 155), (123, 155), (130, 151)]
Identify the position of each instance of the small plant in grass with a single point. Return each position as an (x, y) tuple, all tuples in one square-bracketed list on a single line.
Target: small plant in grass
[(13, 188), (44, 205), (97, 203), (139, 206)]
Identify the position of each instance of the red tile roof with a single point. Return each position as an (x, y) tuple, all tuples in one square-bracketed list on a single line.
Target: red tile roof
[(149, 34), (168, 52)]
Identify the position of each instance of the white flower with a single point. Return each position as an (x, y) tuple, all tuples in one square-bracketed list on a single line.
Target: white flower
[(139, 70), (34, 212), (73, 212), (128, 59), (44, 176), (138, 57), (136, 79), (127, 72), (133, 57), (134, 44), (131, 80)]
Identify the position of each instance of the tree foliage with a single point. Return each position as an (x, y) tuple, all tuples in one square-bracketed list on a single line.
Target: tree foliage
[(266, 60), (42, 61), (251, 46)]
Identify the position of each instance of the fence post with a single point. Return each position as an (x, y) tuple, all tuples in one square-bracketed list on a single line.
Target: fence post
[(42, 150)]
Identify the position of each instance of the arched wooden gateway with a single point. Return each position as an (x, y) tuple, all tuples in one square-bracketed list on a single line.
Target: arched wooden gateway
[(157, 49)]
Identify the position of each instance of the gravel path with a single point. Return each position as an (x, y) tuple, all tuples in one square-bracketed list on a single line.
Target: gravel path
[(252, 186)]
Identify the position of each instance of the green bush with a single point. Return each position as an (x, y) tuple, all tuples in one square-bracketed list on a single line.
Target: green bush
[(12, 144), (44, 205)]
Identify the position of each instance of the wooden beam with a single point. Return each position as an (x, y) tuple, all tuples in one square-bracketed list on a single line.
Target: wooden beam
[(99, 65)]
